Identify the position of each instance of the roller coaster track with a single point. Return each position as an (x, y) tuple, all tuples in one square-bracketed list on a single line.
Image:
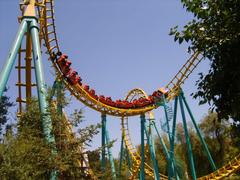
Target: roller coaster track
[(135, 156), (46, 13), (78, 91), (185, 71), (230, 168), (225, 171)]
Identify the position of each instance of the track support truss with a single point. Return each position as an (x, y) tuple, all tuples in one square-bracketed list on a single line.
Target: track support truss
[(29, 23)]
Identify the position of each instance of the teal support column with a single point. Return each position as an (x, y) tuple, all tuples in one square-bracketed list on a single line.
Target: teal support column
[(41, 88), (9, 63), (151, 128), (58, 86), (199, 133), (166, 153), (170, 165), (121, 157), (103, 161), (110, 156), (142, 171), (189, 147), (167, 119), (165, 150), (173, 128), (152, 151), (172, 158)]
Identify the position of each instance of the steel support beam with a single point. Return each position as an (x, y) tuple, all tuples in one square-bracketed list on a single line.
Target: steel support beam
[(199, 132), (172, 158), (9, 63), (103, 160), (189, 147), (167, 118), (152, 150), (142, 171), (42, 91), (110, 155), (41, 86)]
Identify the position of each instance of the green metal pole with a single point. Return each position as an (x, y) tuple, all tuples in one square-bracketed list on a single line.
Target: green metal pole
[(151, 126), (110, 156), (142, 173), (152, 152), (174, 126), (9, 63), (199, 133), (189, 147), (47, 124), (41, 87), (167, 119), (170, 170), (58, 85), (103, 163), (121, 157), (165, 150), (172, 158)]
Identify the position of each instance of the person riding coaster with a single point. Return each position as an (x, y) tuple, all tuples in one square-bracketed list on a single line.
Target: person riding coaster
[(61, 60), (74, 78)]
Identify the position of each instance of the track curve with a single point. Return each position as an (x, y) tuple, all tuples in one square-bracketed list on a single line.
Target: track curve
[(51, 42), (135, 156), (46, 13)]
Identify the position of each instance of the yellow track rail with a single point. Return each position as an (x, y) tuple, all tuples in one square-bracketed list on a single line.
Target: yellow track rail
[(179, 79), (135, 156), (225, 171), (51, 42)]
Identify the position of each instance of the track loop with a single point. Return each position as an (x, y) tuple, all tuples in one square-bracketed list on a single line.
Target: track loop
[(136, 158), (51, 42)]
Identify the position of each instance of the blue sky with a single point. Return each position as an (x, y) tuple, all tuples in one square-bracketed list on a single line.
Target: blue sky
[(115, 46)]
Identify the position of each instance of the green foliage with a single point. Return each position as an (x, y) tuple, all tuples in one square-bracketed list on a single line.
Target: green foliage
[(217, 135), (27, 155), (215, 31), (5, 104)]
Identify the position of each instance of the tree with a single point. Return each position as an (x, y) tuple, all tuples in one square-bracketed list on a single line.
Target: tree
[(215, 31), (217, 135), (27, 155), (5, 104), (221, 132)]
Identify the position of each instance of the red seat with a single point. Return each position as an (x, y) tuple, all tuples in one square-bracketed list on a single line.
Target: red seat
[(72, 77), (86, 88), (61, 61)]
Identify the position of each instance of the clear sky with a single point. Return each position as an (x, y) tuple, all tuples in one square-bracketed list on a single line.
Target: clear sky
[(115, 45)]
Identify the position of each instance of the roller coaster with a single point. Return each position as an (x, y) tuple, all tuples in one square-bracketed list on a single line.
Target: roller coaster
[(37, 25)]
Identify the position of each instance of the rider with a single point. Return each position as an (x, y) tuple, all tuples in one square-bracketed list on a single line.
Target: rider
[(73, 77), (66, 70)]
